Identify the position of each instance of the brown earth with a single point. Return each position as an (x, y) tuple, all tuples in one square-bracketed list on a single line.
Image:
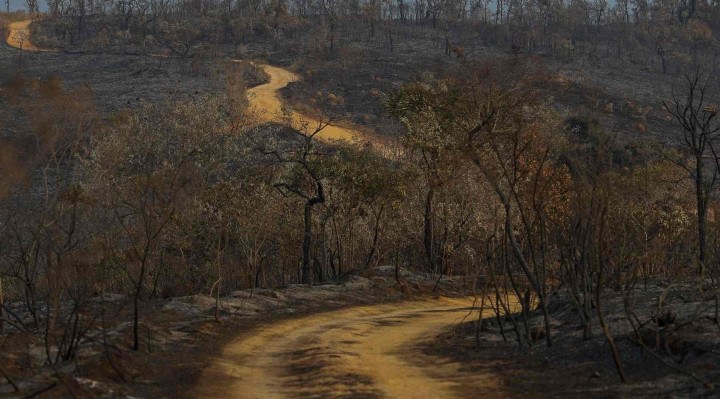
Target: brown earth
[(360, 352), (686, 340), (19, 36), (269, 107), (278, 342)]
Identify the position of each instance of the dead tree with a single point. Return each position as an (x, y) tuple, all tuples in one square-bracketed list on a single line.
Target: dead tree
[(33, 7), (693, 110), (2, 305), (304, 181)]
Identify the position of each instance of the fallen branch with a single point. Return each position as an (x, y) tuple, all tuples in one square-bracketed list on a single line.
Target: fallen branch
[(677, 368), (42, 391), (9, 380)]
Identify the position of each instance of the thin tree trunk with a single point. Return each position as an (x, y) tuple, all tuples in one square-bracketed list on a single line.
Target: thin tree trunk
[(517, 251), (136, 308), (376, 235), (478, 326), (606, 331), (428, 239), (307, 242), (136, 319), (219, 281), (701, 199), (2, 308)]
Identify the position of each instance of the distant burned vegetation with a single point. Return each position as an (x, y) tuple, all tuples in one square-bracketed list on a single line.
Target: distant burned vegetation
[(486, 168), (191, 196), (610, 59), (651, 34)]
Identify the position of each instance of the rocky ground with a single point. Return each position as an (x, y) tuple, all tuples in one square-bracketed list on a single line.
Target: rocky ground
[(682, 357)]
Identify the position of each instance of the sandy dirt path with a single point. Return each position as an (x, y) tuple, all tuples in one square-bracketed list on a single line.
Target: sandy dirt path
[(362, 352), (268, 107), (19, 36), (265, 99)]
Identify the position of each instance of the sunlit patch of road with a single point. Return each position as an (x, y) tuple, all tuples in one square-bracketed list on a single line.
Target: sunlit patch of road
[(362, 352)]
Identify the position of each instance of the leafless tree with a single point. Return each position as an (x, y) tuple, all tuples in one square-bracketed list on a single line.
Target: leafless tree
[(303, 180), (33, 6), (693, 107)]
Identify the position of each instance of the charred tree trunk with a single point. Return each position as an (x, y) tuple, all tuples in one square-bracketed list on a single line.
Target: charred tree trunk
[(136, 319), (307, 246), (702, 206), (2, 307), (376, 236), (429, 231)]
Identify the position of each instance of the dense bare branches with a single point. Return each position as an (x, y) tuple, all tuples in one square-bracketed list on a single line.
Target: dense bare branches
[(194, 196), (694, 107)]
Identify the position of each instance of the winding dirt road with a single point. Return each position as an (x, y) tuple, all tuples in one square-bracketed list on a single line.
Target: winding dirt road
[(268, 106), (362, 352), (265, 99), (19, 36)]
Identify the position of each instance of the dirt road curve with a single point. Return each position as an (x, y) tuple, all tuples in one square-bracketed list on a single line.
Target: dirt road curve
[(265, 99), (268, 106), (363, 352), (19, 36)]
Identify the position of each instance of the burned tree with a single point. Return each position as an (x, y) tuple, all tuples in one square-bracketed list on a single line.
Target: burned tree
[(692, 108), (302, 178)]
